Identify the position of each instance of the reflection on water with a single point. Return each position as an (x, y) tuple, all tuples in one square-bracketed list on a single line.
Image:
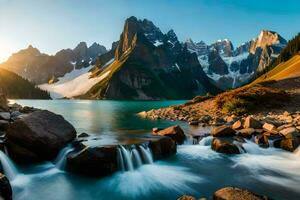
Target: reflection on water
[(195, 169)]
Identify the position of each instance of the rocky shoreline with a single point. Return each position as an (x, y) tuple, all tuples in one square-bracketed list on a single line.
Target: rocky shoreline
[(25, 130)]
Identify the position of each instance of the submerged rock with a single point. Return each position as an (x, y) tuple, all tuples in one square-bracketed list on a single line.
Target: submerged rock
[(230, 193), (223, 131), (225, 145), (174, 132), (38, 136), (5, 188)]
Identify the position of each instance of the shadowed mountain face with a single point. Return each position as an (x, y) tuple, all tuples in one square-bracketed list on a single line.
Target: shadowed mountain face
[(231, 68), (15, 87), (148, 64), (39, 68)]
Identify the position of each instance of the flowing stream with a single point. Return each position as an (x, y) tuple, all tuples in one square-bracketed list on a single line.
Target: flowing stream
[(195, 169)]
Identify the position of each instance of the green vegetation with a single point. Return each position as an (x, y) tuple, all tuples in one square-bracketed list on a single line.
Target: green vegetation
[(246, 99), (15, 87)]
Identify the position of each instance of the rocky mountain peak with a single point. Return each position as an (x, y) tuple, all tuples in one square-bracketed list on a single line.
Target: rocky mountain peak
[(224, 47), (267, 38)]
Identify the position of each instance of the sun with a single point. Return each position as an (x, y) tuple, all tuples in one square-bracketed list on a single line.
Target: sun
[(5, 50)]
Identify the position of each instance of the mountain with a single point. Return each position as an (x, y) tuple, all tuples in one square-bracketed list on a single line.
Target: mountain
[(147, 64), (231, 68), (15, 87), (40, 68), (286, 66)]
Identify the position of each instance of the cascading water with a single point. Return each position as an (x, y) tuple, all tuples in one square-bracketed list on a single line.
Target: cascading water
[(60, 160), (8, 166), (131, 157)]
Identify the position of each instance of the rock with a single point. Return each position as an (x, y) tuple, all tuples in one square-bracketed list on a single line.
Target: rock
[(289, 132), (186, 197), (219, 121), (162, 147), (237, 125), (246, 132), (223, 131), (15, 114), (224, 145), (205, 119), (230, 193), (174, 132), (286, 114), (262, 140), (250, 122), (194, 123), (5, 115), (5, 188), (289, 144), (15, 107), (83, 135), (230, 119), (3, 124), (27, 109), (142, 114), (239, 139), (38, 136), (269, 127), (284, 126), (93, 161), (155, 130)]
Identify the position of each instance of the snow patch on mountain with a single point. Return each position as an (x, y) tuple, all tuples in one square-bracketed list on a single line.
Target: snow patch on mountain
[(73, 84)]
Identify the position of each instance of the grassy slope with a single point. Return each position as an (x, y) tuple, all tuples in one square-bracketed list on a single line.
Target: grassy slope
[(288, 69)]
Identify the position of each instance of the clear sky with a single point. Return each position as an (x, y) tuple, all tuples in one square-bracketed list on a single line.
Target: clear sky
[(51, 25)]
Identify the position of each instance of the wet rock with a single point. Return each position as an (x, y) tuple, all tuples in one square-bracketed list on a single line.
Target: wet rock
[(289, 132), (83, 135), (15, 107), (223, 131), (5, 188), (186, 197), (15, 115), (38, 136), (269, 127), (5, 116), (250, 122), (155, 130), (205, 119), (237, 125), (246, 132), (239, 139), (262, 140), (219, 121), (162, 147), (224, 145), (194, 123), (289, 144), (3, 124), (174, 132), (93, 161), (27, 109), (230, 193)]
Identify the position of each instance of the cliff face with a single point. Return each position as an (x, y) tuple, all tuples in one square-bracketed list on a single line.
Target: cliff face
[(148, 64)]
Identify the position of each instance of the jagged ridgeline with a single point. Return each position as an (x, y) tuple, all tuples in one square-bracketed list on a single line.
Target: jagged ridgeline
[(292, 49), (16, 87), (147, 64)]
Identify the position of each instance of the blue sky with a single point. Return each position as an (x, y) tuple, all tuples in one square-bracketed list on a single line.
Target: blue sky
[(51, 25)]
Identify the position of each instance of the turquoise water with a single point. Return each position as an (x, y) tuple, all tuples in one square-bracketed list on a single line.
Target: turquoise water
[(195, 170)]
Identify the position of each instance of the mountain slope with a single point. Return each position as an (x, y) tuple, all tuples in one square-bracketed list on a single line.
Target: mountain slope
[(148, 64), (40, 68), (15, 87)]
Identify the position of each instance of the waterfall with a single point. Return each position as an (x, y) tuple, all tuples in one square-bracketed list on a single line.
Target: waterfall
[(206, 141), (8, 166), (134, 156), (146, 154), (60, 160)]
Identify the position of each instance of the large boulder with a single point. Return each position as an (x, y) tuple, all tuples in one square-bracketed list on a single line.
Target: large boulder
[(223, 131), (224, 145), (162, 147), (174, 132), (230, 193), (94, 161), (262, 140), (290, 144), (246, 132), (250, 122), (38, 136), (5, 188)]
